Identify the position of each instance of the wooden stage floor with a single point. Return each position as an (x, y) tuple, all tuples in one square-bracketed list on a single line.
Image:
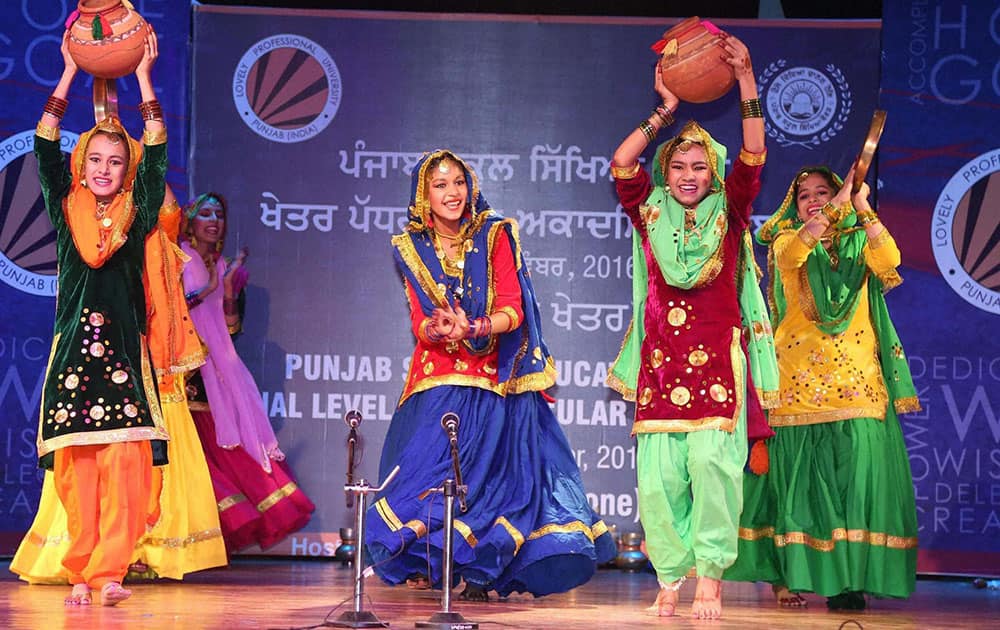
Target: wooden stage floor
[(283, 593)]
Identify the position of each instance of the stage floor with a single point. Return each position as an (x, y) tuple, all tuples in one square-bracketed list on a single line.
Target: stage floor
[(282, 593)]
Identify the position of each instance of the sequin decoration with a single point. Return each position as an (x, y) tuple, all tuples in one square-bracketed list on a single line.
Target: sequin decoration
[(656, 358), (96, 349), (680, 395), (96, 319), (428, 369), (645, 396), (460, 365), (97, 412), (119, 376), (698, 358), (72, 381), (718, 393), (62, 416), (131, 410), (677, 316)]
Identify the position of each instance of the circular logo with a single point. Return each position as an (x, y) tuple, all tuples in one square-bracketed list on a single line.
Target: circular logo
[(27, 239), (965, 232), (286, 88), (805, 106)]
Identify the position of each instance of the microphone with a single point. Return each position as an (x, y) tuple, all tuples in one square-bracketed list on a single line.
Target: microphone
[(353, 418), (449, 422)]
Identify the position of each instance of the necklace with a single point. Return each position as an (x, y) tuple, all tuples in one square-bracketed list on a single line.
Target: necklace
[(449, 237), (104, 223)]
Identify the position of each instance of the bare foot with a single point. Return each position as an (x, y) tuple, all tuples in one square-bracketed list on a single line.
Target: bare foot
[(79, 596), (707, 599), (666, 602), (786, 598), (112, 593)]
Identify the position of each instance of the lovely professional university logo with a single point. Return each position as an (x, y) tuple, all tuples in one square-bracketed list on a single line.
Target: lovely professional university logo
[(287, 88), (965, 232), (27, 239)]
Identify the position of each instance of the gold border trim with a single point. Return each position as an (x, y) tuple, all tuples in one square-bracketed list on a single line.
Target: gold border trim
[(875, 539), (821, 417)]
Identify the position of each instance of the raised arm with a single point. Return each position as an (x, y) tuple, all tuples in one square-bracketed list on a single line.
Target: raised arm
[(52, 172)]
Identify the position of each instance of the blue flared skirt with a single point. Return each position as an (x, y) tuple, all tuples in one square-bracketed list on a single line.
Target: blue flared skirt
[(528, 527)]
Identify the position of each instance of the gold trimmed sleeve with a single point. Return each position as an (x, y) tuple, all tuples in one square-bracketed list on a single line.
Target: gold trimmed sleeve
[(46, 132), (753, 159), (153, 138), (625, 172)]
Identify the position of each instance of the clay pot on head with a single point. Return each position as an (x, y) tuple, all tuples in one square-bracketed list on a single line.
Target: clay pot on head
[(691, 65), (107, 38)]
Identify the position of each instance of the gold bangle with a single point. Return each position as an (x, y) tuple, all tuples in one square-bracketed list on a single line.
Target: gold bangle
[(753, 159), (807, 237), (831, 212), (45, 131), (152, 138), (867, 217), (751, 108), (625, 172)]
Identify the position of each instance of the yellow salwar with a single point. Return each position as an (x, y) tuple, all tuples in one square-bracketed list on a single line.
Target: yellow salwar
[(187, 537)]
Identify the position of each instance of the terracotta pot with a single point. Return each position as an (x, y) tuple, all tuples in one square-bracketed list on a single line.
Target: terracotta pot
[(691, 65), (117, 53)]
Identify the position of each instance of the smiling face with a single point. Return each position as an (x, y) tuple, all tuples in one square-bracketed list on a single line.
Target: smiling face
[(209, 224), (814, 191), (447, 194), (105, 164), (688, 175)]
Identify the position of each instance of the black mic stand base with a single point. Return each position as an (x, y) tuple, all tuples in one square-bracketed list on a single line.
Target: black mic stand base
[(448, 621), (357, 619)]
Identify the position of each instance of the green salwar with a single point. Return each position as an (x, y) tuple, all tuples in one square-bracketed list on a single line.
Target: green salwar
[(690, 486)]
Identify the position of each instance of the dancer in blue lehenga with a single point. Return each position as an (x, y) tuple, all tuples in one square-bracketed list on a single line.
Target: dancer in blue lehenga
[(479, 354)]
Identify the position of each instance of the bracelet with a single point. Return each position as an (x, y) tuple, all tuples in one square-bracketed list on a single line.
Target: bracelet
[(480, 327), (647, 130), (753, 159), (831, 212), (751, 108), (433, 335), (625, 172), (193, 299), (56, 107), (665, 115), (867, 217), (229, 306), (151, 110)]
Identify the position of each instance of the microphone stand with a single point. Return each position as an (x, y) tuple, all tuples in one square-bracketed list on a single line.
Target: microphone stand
[(446, 619), (359, 618), (352, 441)]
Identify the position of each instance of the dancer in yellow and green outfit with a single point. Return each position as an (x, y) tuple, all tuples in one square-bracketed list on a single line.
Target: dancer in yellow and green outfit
[(835, 515)]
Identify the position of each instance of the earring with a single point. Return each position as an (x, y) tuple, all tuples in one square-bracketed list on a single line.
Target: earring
[(193, 241), (218, 247), (83, 183)]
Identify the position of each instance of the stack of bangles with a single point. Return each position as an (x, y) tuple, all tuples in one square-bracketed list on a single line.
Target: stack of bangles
[(481, 327), (56, 107), (834, 214), (867, 217), (151, 110), (664, 115), (192, 299), (751, 108)]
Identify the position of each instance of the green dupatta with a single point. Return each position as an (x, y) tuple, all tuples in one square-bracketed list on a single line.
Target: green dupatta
[(692, 258), (833, 291)]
